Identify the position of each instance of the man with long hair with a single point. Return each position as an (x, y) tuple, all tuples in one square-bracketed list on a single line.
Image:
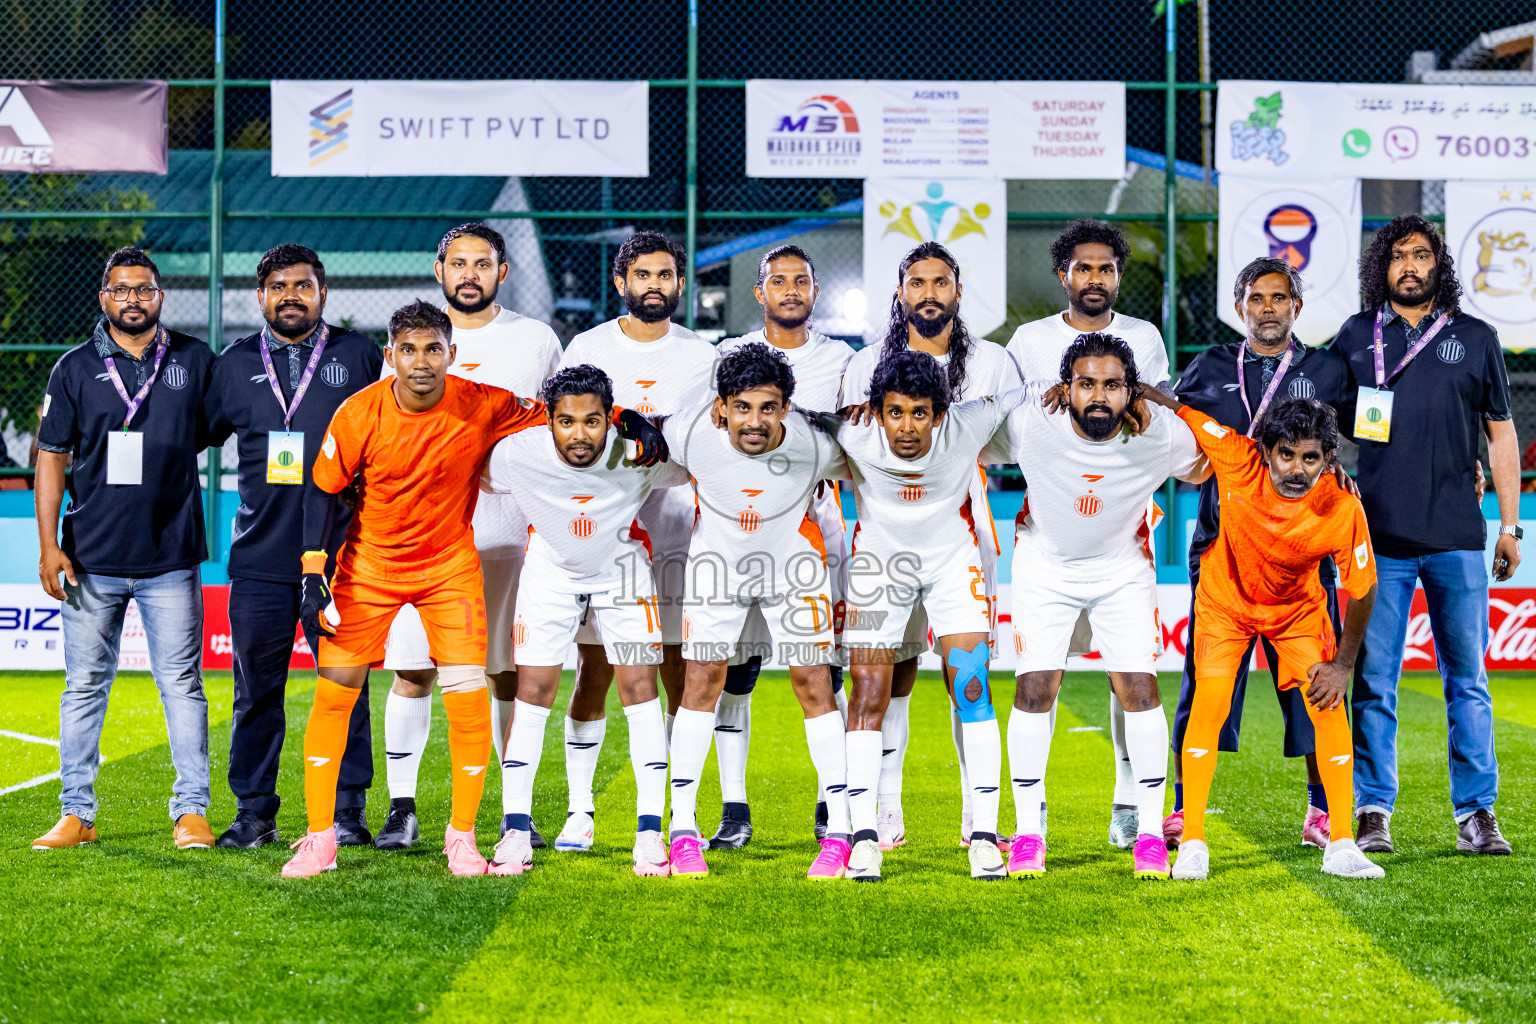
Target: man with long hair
[(925, 317), (1429, 379)]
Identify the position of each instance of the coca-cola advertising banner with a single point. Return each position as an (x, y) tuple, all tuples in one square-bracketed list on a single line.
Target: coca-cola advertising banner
[(83, 127)]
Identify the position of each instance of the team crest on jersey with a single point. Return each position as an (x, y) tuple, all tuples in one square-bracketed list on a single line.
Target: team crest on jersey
[(1362, 555), (645, 408), (1088, 505), (519, 633), (581, 527), (1301, 387), (335, 375), (1450, 351), (176, 376), (913, 492), (329, 448), (749, 521), (1214, 429)]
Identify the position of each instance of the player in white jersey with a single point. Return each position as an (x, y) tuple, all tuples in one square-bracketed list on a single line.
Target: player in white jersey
[(1089, 258), (586, 562), (757, 548), (658, 368), (925, 315), (787, 291), (917, 545), (1082, 547), (492, 345)]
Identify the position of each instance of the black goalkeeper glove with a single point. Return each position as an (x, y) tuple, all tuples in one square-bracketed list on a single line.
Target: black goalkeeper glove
[(650, 447), (317, 609)]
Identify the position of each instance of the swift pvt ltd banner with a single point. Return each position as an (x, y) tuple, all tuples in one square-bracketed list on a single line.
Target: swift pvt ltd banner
[(402, 128), (867, 129), (82, 127)]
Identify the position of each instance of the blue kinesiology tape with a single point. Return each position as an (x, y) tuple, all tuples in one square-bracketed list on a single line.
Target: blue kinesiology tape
[(969, 665)]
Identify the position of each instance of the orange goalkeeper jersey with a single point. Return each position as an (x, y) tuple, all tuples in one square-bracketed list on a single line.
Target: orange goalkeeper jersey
[(1262, 567), (421, 474)]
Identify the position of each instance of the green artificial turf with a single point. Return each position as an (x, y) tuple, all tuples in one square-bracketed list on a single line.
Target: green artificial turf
[(132, 930)]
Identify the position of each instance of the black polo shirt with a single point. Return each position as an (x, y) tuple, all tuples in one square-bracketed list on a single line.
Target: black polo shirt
[(1419, 489), (144, 529), (269, 527), (1209, 385)]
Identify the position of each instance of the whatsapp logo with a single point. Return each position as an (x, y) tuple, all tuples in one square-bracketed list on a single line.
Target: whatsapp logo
[(1357, 143)]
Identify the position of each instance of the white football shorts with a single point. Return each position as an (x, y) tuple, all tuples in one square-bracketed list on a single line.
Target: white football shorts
[(1047, 604)]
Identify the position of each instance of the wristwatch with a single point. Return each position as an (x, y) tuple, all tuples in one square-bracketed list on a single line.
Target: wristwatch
[(1512, 531)]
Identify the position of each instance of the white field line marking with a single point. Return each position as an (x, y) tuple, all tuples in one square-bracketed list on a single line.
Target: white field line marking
[(27, 737), (1086, 728), (51, 776)]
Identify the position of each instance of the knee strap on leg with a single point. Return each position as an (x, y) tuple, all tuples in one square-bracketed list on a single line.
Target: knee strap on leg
[(461, 678), (742, 679), (969, 666)]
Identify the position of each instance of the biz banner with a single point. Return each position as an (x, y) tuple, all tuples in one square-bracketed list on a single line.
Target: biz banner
[(866, 129), (82, 127), (970, 218), (506, 128), (1281, 129), (1312, 225), (1491, 229)]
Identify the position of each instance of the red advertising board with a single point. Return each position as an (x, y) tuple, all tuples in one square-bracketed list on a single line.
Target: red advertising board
[(218, 649)]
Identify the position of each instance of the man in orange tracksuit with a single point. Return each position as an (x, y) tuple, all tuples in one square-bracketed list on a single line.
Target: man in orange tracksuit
[(1282, 512), (413, 445)]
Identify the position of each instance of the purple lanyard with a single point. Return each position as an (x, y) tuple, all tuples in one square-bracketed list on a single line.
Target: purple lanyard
[(117, 379), (321, 334), (1274, 383), (1382, 376)]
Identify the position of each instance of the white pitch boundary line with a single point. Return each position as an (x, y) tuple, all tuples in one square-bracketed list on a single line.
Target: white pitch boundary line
[(51, 776), (27, 737)]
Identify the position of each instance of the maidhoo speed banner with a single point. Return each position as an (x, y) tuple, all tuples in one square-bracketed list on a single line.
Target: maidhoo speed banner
[(1312, 225), (1405, 132), (1491, 229), (865, 129), (396, 128)]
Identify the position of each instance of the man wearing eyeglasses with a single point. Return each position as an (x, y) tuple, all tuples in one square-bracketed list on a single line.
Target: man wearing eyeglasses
[(123, 411)]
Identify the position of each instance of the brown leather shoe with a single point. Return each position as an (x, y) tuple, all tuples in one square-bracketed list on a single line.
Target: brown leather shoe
[(1480, 834), (1372, 833), (192, 833), (70, 831)]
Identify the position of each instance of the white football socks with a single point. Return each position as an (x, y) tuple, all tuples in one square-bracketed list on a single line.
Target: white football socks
[(407, 724), (670, 720), (894, 735), (1125, 783), (733, 735), (1146, 737), (648, 758), (824, 735), (1029, 748), (690, 749), (525, 746), (983, 768), (583, 744), (501, 723), (863, 753)]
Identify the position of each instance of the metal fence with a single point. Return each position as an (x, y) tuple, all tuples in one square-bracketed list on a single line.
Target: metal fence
[(208, 220)]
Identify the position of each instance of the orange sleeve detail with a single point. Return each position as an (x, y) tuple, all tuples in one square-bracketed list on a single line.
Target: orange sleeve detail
[(336, 462), (1225, 447)]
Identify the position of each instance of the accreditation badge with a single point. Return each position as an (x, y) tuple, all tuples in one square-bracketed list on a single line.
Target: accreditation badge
[(285, 457), (1373, 415), (125, 457)]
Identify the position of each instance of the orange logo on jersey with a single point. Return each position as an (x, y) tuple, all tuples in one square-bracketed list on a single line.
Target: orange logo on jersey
[(583, 498), (469, 366), (749, 521), (645, 383), (1093, 478), (687, 627), (912, 492), (519, 633), (581, 527), (1018, 643), (751, 492), (1088, 506)]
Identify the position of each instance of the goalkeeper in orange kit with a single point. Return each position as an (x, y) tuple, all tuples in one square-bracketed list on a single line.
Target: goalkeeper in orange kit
[(1282, 512), (413, 444)]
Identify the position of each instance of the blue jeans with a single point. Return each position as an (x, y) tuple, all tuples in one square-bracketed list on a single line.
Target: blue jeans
[(1456, 589), (171, 608)]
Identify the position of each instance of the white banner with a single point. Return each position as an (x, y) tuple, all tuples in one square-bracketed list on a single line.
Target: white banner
[(861, 129), (970, 218), (1313, 225), (1281, 129), (396, 128), (32, 632), (1491, 229)]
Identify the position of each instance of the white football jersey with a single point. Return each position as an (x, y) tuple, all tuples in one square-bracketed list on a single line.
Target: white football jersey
[(581, 518), (654, 378), (1087, 506), (518, 353), (819, 366), (754, 511), (990, 370), (922, 506), (1039, 345)]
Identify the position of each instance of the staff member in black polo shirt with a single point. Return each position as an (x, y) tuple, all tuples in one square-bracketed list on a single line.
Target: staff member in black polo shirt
[(127, 408), (1234, 383), (1428, 379), (277, 391)]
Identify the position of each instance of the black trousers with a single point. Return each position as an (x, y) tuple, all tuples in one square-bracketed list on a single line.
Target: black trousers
[(262, 617)]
